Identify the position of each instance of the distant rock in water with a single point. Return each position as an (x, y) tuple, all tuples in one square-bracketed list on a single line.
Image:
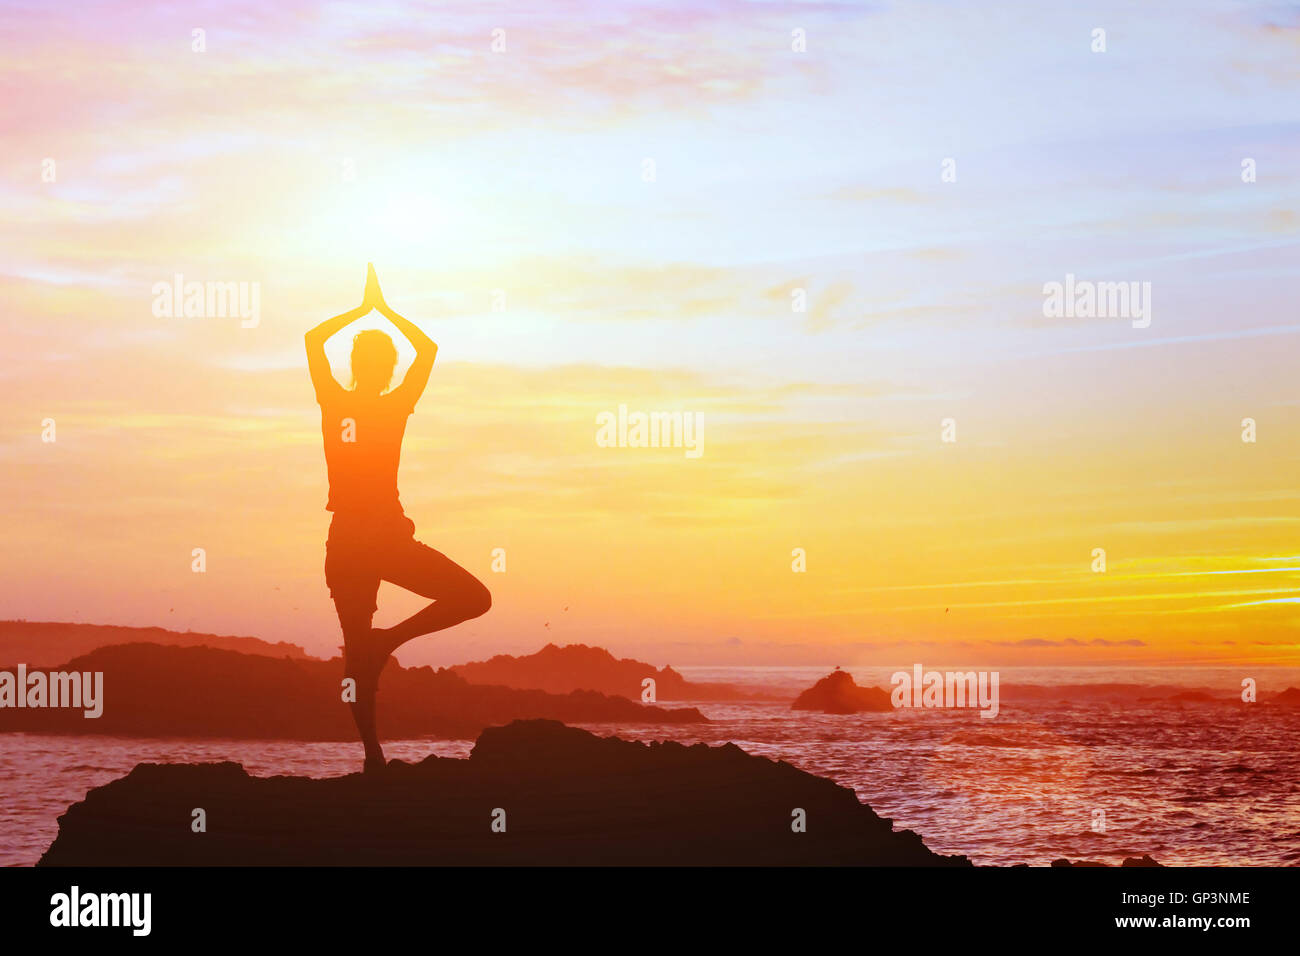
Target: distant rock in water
[(50, 643), (1289, 697), (1144, 860), (558, 796), (561, 670), (838, 693), (1117, 693), (1194, 697), (151, 690)]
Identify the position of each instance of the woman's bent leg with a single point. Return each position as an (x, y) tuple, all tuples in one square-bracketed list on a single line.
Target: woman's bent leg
[(457, 595)]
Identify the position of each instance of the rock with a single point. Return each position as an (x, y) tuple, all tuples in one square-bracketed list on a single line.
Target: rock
[(151, 690), (1288, 698), (1145, 860), (566, 796), (838, 693), (561, 670), (49, 643)]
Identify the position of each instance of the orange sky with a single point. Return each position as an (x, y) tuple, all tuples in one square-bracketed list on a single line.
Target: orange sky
[(504, 199)]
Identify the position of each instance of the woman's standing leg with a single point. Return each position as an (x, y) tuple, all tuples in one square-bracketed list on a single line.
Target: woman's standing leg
[(360, 665), (354, 585)]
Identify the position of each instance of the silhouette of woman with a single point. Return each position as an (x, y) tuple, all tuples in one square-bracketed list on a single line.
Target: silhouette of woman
[(370, 537)]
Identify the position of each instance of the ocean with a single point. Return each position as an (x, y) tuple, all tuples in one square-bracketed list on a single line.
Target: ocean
[(1082, 770)]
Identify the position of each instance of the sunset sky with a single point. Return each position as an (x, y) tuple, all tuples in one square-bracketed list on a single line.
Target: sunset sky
[(309, 139)]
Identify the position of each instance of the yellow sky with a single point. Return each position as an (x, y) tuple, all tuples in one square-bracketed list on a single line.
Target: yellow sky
[(791, 267)]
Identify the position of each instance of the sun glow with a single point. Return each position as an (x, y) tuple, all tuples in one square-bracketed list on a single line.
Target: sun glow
[(403, 220)]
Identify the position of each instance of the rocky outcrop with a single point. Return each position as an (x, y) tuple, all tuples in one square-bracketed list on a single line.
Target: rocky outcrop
[(531, 793), (151, 690), (561, 670), (838, 693), (49, 643)]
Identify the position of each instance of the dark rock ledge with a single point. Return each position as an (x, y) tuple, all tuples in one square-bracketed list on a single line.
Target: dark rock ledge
[(568, 796)]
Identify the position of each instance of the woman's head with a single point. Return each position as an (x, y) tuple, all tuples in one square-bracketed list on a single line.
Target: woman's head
[(373, 359)]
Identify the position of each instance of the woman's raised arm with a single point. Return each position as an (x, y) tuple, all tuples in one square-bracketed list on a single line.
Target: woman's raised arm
[(426, 350), (317, 362)]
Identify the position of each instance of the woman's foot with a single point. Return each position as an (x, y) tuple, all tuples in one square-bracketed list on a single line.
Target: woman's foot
[(386, 640), (375, 764)]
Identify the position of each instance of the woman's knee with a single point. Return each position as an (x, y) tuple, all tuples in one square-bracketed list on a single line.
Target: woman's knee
[(476, 599)]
